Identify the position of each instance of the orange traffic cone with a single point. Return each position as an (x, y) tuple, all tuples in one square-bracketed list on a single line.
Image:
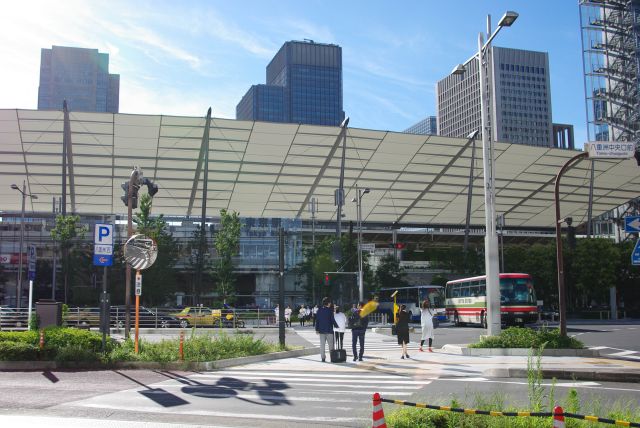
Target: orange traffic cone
[(558, 417), (378, 412)]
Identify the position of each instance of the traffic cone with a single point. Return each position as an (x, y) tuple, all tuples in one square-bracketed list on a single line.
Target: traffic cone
[(378, 412), (558, 417)]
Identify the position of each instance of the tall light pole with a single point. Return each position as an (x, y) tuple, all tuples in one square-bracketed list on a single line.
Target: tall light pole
[(24, 196), (491, 256), (358, 201)]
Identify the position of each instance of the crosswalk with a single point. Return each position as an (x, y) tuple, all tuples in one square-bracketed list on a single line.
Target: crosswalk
[(301, 390), (626, 354), (373, 342)]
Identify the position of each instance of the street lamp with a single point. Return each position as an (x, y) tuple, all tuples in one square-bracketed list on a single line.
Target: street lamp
[(491, 258), (358, 201), (24, 196)]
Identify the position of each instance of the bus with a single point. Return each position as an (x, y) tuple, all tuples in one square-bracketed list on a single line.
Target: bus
[(412, 297), (466, 300)]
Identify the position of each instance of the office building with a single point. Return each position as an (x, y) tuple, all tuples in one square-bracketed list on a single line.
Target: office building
[(610, 35), (80, 76), (427, 126), (519, 93), (303, 85)]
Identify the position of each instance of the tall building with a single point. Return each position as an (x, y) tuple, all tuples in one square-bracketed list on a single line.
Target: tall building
[(304, 85), (80, 76), (427, 126), (610, 44), (520, 98)]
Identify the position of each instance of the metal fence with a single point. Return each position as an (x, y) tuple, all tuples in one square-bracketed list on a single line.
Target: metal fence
[(89, 317)]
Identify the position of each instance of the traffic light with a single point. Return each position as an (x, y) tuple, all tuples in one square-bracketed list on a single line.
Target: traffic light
[(326, 279), (152, 188), (398, 245), (134, 195)]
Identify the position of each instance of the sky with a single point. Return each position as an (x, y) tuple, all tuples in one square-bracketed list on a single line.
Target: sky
[(180, 58)]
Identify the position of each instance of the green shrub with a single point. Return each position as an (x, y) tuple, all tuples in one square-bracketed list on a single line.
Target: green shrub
[(75, 353), (30, 337), (61, 337), (518, 337), (18, 351)]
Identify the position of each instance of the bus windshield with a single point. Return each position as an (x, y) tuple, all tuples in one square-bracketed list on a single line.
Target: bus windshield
[(517, 291)]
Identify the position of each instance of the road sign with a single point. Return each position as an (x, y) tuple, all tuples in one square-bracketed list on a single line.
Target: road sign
[(610, 149), (368, 247), (103, 234), (635, 256), (632, 224), (103, 245), (32, 262), (138, 283), (102, 260)]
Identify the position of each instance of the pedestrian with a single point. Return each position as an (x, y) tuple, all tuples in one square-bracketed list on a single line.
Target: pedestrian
[(402, 329), (314, 312), (426, 322), (341, 320), (307, 313), (277, 312), (358, 326), (287, 316), (325, 322), (302, 314)]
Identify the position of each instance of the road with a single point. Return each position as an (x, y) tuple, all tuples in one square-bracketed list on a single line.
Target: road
[(283, 393)]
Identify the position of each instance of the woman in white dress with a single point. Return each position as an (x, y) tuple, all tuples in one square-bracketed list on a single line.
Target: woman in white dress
[(426, 322), (341, 320)]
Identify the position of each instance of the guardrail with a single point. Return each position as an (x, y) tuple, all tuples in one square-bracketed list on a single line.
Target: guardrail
[(558, 413)]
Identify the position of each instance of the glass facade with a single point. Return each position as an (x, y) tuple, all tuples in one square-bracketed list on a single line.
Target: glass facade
[(80, 76), (427, 126), (304, 85)]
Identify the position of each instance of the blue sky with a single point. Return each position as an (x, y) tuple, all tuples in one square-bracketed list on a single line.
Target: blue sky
[(179, 58)]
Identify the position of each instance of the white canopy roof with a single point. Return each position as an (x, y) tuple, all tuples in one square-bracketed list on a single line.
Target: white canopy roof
[(263, 169)]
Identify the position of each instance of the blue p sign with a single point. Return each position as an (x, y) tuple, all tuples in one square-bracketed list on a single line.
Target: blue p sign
[(103, 234)]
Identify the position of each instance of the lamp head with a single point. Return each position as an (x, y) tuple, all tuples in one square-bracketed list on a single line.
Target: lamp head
[(15, 187), (459, 70), (345, 122), (473, 135), (34, 196), (508, 19), (366, 190)]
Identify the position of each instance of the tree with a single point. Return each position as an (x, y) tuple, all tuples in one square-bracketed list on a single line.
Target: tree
[(389, 273), (227, 244), (539, 261), (594, 269), (198, 261), (66, 233), (159, 280)]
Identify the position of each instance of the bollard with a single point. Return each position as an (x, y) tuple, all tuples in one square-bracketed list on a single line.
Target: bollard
[(181, 350), (378, 412), (558, 417), (41, 340)]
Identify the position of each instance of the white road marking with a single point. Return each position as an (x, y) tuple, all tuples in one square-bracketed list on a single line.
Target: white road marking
[(271, 374), (355, 385), (361, 381), (624, 353), (62, 422)]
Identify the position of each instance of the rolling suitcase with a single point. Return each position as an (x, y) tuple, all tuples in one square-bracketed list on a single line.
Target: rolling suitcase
[(337, 355)]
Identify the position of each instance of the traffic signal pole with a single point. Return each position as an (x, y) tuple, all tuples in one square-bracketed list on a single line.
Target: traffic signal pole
[(133, 181)]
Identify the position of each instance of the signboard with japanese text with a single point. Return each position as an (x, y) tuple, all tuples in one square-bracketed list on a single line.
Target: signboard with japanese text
[(610, 149)]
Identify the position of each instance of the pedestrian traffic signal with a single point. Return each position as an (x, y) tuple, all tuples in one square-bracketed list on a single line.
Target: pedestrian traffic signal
[(326, 279), (398, 245)]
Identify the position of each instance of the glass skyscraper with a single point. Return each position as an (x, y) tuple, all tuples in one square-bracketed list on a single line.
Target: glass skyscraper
[(304, 85), (80, 76), (427, 126)]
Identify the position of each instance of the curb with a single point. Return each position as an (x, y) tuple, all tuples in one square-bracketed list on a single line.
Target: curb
[(148, 365), (518, 352), (602, 375)]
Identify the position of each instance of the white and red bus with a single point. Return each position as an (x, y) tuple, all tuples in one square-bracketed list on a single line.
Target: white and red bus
[(466, 300)]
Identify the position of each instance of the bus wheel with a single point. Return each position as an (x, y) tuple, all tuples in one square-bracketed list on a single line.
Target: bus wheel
[(456, 320), (483, 320)]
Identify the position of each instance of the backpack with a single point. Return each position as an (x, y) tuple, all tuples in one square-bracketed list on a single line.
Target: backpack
[(355, 322)]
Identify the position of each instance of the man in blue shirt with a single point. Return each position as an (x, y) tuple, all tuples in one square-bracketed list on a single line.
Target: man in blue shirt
[(324, 325)]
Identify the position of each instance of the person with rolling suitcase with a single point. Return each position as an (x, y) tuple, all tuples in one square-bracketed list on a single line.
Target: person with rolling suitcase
[(339, 355), (325, 322)]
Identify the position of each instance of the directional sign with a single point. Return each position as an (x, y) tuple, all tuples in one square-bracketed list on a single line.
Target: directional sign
[(32, 262), (368, 247), (103, 234), (102, 260), (632, 224), (635, 256)]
